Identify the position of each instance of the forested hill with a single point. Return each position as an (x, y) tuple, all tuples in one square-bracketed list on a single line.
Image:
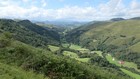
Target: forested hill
[(27, 32), (120, 38), (42, 31)]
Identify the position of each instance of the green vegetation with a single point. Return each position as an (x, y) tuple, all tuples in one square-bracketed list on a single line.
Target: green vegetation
[(83, 59), (116, 62), (126, 64), (70, 54), (13, 72), (26, 51), (65, 45), (29, 33), (116, 37), (136, 76), (110, 59), (98, 52), (77, 47), (44, 63), (75, 56), (53, 48)]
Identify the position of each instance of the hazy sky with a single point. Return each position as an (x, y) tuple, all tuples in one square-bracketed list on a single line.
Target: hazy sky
[(78, 10)]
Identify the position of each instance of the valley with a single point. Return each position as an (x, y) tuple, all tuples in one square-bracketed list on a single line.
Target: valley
[(51, 53), (69, 39), (123, 67)]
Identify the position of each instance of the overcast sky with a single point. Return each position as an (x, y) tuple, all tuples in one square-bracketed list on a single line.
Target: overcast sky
[(77, 10)]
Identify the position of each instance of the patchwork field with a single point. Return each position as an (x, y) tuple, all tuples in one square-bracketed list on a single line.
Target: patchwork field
[(75, 56), (76, 47), (53, 48), (65, 44), (79, 48), (98, 52)]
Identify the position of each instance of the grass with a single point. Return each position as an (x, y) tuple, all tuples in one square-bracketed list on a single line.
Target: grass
[(77, 47), (99, 53), (65, 44), (126, 64), (12, 72), (75, 56), (136, 76), (70, 54), (83, 59), (135, 47), (109, 58), (53, 48)]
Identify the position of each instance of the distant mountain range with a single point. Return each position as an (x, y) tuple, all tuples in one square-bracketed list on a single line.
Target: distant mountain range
[(68, 24)]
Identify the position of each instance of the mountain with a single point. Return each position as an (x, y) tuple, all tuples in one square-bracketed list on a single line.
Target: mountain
[(120, 38), (65, 24), (29, 33), (44, 32), (136, 18), (58, 29), (117, 19)]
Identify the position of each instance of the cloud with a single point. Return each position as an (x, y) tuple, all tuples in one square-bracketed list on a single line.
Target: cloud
[(111, 9), (135, 5), (134, 9), (61, 0), (44, 3), (25, 0)]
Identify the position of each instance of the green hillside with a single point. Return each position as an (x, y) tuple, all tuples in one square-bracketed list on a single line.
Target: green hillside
[(29, 33), (13, 72), (22, 61), (46, 32), (120, 38)]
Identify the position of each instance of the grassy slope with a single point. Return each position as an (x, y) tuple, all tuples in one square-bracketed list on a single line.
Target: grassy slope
[(126, 64), (99, 53), (41, 61), (77, 47), (83, 50), (120, 38), (75, 56), (136, 76), (109, 33), (128, 28), (13, 72), (65, 44), (53, 48), (109, 58)]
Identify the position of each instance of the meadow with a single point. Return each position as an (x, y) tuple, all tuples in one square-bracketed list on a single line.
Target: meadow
[(75, 56), (53, 48)]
